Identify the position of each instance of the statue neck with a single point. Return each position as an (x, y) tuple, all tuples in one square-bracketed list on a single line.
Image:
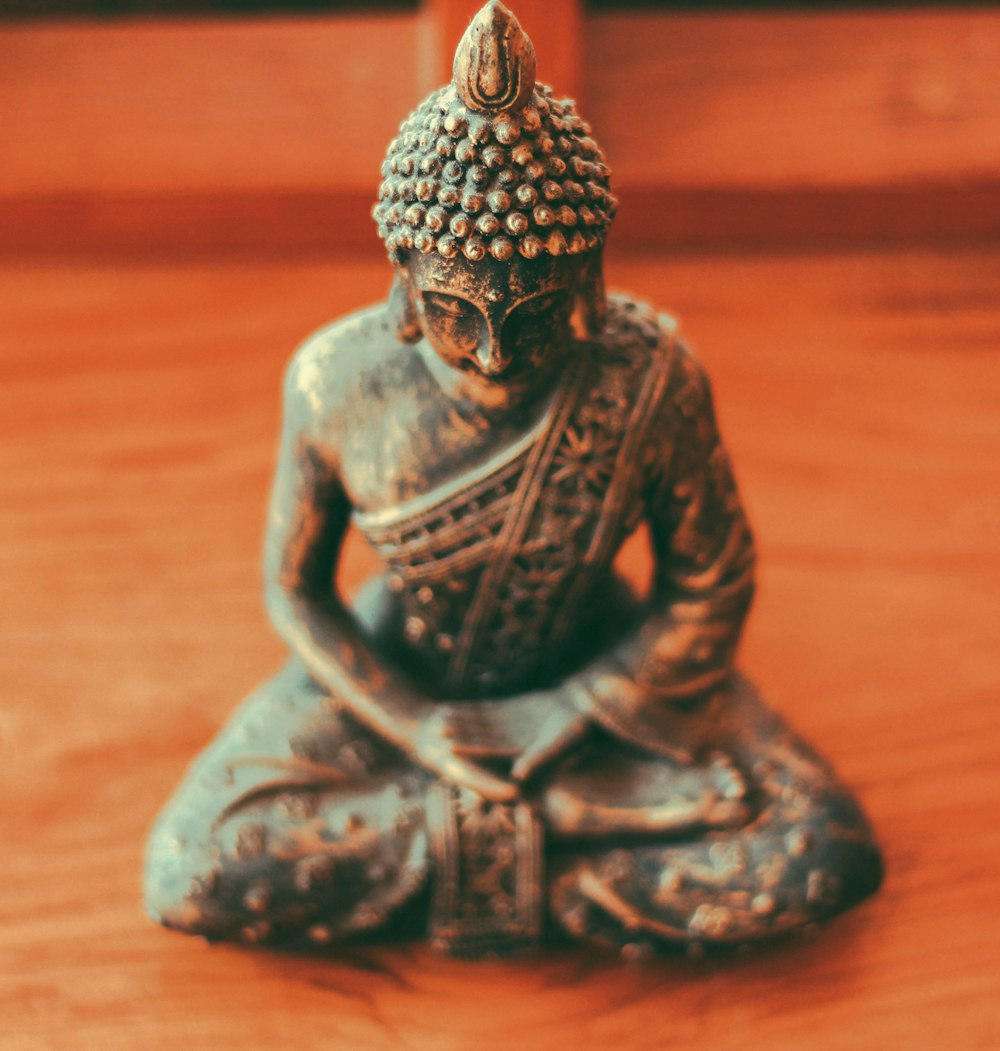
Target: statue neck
[(495, 400)]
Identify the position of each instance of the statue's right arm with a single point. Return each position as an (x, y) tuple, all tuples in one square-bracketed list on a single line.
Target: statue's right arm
[(308, 519)]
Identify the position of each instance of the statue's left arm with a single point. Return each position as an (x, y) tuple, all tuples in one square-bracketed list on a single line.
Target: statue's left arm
[(646, 688)]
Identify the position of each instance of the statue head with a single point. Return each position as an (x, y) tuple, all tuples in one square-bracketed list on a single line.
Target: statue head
[(494, 207)]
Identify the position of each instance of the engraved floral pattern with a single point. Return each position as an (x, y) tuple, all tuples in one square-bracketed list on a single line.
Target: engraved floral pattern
[(516, 639)]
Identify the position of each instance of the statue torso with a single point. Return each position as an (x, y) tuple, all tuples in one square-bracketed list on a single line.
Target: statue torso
[(498, 539)]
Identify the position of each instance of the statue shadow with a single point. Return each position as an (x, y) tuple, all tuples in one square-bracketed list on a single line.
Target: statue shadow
[(401, 980)]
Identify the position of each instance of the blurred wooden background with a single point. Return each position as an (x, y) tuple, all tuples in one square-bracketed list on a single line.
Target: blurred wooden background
[(738, 130), (181, 201)]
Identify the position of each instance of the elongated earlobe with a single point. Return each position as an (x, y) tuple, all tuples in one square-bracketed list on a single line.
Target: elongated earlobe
[(402, 313), (590, 309)]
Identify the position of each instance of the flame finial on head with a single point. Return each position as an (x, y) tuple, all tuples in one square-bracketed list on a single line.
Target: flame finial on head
[(495, 62)]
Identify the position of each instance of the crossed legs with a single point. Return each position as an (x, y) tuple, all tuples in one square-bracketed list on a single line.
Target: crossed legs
[(297, 823)]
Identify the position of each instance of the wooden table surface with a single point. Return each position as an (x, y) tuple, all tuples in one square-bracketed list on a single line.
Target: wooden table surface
[(859, 393)]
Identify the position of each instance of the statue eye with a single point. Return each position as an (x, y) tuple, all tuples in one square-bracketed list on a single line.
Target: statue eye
[(453, 306), (542, 304)]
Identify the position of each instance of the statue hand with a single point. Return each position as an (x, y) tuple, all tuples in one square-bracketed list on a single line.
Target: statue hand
[(530, 729), (435, 748), (564, 726)]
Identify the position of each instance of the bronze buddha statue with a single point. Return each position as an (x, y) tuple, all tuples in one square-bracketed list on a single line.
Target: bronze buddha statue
[(499, 743)]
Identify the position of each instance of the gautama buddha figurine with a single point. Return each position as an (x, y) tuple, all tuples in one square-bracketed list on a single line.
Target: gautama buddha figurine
[(498, 743)]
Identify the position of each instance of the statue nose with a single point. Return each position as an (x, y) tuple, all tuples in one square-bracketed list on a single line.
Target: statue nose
[(490, 354)]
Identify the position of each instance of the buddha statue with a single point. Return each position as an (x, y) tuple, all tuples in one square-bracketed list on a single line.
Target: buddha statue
[(498, 743)]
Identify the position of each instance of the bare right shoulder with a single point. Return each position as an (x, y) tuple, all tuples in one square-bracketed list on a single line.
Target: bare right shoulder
[(334, 371)]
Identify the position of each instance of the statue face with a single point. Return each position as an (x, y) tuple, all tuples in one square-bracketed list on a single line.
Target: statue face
[(505, 322)]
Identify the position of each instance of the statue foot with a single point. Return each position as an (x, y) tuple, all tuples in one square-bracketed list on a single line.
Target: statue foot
[(728, 889), (806, 854)]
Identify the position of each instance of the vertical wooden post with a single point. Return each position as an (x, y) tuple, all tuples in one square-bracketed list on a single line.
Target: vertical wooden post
[(553, 25)]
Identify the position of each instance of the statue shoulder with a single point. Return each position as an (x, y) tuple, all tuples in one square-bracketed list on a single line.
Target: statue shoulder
[(334, 367), (648, 343), (637, 331)]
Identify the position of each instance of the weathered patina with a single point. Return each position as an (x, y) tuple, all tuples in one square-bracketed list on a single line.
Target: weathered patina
[(498, 742)]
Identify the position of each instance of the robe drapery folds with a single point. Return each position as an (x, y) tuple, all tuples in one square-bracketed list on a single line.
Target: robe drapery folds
[(530, 541)]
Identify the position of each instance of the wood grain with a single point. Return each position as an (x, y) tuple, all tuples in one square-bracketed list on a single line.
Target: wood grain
[(858, 392), (753, 129)]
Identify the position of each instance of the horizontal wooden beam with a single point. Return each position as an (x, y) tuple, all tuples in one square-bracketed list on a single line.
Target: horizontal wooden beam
[(723, 130), (649, 218)]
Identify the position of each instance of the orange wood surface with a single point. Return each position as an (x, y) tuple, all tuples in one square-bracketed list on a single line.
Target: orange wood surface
[(755, 128), (859, 395)]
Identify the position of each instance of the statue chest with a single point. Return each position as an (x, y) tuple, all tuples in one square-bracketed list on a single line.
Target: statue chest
[(420, 448), (498, 572), (494, 578)]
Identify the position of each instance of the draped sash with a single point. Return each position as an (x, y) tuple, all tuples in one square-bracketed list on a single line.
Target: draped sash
[(578, 496), (498, 571)]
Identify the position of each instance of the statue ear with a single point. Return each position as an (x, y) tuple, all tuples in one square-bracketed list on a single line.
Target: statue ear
[(402, 312), (590, 309)]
